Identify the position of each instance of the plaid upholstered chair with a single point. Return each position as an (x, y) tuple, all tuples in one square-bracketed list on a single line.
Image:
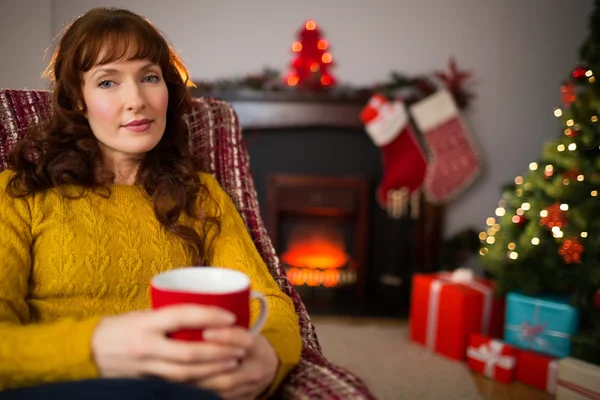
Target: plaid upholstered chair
[(217, 141)]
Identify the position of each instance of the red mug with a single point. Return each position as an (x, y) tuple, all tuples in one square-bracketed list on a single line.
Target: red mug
[(211, 286)]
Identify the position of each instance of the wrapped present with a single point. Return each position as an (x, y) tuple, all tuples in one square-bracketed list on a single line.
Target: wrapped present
[(491, 357), (537, 370), (542, 323), (447, 307), (577, 379)]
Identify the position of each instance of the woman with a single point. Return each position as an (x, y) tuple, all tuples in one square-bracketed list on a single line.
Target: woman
[(97, 203)]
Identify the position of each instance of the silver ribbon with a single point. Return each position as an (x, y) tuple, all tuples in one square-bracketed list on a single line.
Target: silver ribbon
[(530, 334)]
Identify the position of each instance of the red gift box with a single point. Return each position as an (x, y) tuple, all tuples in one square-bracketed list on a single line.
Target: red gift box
[(493, 358), (446, 308), (537, 370)]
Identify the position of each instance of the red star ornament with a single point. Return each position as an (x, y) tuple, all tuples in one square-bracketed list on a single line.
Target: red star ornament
[(571, 251), (555, 217), (454, 80)]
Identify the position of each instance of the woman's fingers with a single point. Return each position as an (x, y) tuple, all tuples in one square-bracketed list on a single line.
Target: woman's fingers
[(232, 336), (174, 318), (136, 343), (193, 352), (187, 372)]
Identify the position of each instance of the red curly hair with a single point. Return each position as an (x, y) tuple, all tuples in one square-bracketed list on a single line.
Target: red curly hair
[(66, 152)]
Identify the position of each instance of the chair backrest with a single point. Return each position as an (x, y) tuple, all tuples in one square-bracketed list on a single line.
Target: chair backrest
[(216, 141)]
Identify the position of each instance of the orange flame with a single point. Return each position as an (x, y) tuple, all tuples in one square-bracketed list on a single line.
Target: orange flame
[(316, 247)]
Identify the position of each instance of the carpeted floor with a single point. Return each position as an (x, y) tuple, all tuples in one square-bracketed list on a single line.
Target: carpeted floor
[(392, 366)]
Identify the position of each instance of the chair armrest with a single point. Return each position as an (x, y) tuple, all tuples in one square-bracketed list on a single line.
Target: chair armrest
[(315, 378)]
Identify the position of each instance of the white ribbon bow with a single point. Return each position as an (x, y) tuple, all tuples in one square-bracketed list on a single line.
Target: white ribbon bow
[(491, 354)]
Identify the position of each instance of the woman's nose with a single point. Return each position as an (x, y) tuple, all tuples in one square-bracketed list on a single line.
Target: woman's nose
[(135, 99)]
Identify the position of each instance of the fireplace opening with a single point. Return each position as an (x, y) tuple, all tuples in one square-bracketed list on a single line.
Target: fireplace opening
[(318, 225), (316, 255), (316, 246)]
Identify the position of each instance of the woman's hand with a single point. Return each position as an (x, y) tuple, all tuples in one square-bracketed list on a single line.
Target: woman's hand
[(136, 344), (255, 372)]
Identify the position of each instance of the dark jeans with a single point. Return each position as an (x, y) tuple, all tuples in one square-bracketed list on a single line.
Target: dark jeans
[(109, 389)]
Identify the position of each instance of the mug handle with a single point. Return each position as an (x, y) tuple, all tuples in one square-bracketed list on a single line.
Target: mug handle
[(262, 316)]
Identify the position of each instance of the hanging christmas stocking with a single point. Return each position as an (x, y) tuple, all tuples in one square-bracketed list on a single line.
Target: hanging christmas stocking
[(454, 162), (404, 162)]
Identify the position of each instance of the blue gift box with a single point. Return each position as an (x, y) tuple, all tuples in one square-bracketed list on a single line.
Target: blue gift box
[(540, 323)]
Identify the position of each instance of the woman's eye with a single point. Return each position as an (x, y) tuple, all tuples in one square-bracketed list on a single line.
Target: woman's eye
[(105, 84), (151, 78)]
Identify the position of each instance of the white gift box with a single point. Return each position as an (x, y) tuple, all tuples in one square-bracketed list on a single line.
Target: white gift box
[(577, 380)]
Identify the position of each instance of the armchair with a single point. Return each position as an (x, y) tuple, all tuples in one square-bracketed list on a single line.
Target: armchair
[(217, 141)]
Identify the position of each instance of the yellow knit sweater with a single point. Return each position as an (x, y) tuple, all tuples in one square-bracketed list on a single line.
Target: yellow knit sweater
[(64, 264)]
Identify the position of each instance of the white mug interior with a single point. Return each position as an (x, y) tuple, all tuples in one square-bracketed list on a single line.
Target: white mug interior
[(208, 280)]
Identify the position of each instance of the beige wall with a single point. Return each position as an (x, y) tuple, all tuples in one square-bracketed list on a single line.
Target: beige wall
[(25, 32), (519, 50)]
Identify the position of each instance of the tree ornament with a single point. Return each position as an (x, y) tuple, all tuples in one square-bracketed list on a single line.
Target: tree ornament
[(579, 73), (568, 94), (519, 220), (571, 133), (571, 175), (554, 217), (571, 251)]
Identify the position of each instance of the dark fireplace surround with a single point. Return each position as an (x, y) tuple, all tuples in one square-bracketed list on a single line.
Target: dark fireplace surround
[(313, 162)]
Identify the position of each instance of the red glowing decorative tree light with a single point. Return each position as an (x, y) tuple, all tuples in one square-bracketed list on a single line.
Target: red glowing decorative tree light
[(310, 67)]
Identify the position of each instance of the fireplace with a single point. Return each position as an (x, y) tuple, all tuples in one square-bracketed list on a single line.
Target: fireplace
[(315, 171), (318, 225)]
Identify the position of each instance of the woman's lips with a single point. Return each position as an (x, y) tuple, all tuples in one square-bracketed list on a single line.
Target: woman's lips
[(139, 128)]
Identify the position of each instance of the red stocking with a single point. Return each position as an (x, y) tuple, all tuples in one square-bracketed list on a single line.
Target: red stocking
[(454, 162), (404, 162)]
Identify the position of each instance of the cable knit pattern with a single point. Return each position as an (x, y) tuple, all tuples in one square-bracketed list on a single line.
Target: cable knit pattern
[(216, 140)]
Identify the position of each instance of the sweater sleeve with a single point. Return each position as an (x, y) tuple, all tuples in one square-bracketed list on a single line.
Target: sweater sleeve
[(30, 353), (234, 248)]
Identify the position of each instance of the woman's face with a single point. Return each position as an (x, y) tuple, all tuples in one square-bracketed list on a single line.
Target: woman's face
[(126, 106)]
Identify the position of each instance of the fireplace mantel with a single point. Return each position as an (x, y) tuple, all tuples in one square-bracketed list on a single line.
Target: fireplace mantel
[(277, 110)]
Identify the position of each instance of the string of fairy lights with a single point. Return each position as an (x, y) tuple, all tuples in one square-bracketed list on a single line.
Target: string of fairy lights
[(554, 216)]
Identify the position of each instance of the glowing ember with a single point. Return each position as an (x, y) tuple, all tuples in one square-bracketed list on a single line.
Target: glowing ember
[(313, 277)]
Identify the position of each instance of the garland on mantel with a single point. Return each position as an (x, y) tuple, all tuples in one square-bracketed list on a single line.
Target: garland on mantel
[(409, 89)]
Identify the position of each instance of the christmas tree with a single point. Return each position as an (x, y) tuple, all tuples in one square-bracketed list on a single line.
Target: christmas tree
[(545, 235), (310, 67)]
